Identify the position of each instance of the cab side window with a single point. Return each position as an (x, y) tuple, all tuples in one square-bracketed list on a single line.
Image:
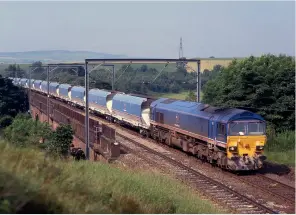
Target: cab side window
[(221, 132)]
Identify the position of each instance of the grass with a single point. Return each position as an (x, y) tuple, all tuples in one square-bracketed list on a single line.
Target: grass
[(287, 157), (32, 183), (182, 95), (280, 148)]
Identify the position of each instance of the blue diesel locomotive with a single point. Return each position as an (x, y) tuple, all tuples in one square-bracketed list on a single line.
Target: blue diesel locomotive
[(230, 138)]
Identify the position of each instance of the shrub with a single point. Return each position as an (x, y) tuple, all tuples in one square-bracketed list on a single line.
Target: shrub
[(61, 140), (5, 121), (24, 131)]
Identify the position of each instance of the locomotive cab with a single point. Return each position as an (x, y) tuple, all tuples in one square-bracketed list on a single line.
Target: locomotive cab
[(245, 144)]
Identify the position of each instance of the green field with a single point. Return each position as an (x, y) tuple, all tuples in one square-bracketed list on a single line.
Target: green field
[(31, 183)]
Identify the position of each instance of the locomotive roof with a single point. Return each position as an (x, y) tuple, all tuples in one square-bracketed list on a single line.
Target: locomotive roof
[(204, 110)]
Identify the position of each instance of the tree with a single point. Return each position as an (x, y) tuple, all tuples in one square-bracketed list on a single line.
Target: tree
[(144, 68), (175, 88), (24, 131), (39, 72), (61, 140), (210, 74), (81, 71), (265, 85), (191, 96), (14, 70), (12, 98)]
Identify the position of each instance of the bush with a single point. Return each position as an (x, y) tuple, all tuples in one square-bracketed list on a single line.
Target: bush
[(191, 96), (24, 131), (61, 140), (176, 88), (5, 121)]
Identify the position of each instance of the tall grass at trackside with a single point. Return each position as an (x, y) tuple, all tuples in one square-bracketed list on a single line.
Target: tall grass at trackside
[(280, 147), (30, 183)]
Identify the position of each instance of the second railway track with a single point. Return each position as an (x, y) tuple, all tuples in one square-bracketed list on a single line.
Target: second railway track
[(271, 186), (209, 187)]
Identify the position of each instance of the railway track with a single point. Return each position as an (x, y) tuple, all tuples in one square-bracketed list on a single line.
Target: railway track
[(275, 188), (283, 193), (209, 187)]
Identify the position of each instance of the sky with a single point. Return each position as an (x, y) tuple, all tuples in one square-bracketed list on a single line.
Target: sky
[(150, 29)]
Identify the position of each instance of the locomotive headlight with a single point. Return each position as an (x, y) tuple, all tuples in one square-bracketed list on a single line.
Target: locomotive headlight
[(259, 148), (232, 148)]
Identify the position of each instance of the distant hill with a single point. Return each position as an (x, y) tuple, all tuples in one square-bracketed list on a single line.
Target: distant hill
[(54, 56)]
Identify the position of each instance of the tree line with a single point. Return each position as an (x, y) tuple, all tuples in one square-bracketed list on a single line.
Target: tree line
[(265, 85)]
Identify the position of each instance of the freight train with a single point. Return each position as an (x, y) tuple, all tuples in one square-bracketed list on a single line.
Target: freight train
[(230, 138)]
